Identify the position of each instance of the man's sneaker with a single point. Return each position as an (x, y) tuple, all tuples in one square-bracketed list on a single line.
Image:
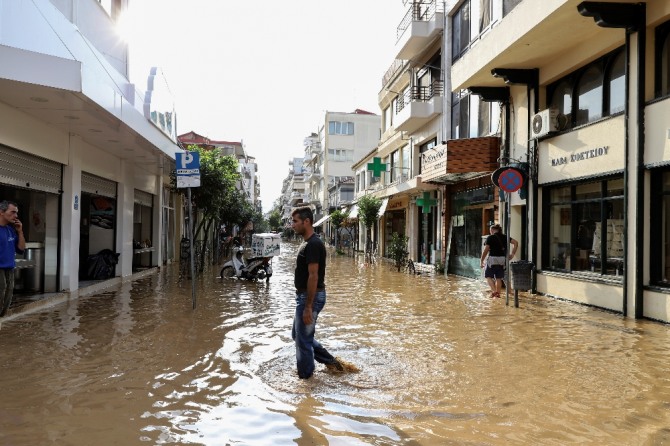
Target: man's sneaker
[(336, 367)]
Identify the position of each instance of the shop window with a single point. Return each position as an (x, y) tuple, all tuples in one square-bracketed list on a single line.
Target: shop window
[(662, 67), (659, 263), (585, 227), (591, 92)]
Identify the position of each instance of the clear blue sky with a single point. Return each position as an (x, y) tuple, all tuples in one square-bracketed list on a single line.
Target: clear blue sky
[(264, 71)]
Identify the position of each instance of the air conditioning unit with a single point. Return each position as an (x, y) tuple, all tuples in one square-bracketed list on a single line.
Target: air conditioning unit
[(544, 122)]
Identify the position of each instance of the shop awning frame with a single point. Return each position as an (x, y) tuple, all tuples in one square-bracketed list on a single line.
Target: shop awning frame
[(321, 221)]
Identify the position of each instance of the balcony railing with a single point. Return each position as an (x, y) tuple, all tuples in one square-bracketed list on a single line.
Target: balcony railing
[(420, 94), (419, 11)]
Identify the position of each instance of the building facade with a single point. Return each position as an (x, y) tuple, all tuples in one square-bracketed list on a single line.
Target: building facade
[(85, 153), (586, 107)]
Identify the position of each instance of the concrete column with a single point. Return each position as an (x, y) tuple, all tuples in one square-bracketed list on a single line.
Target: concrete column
[(125, 202), (69, 255), (157, 225)]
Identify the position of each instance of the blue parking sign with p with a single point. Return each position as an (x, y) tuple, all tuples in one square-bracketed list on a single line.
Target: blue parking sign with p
[(188, 169)]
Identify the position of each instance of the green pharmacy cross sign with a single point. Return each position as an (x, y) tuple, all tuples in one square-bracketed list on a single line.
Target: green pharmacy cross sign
[(426, 203), (377, 167)]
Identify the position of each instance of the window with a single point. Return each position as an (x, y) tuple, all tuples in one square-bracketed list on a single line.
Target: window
[(662, 67), (590, 96), (406, 165), (584, 229), (387, 122), (424, 148), (461, 30), (472, 117), (341, 154), (395, 166), (508, 5), (471, 19), (617, 84), (592, 92), (340, 128), (659, 264)]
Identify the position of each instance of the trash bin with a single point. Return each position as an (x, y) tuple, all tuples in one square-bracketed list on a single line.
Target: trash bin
[(521, 274), (34, 277)]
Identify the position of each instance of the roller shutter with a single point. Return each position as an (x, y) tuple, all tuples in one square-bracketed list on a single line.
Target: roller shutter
[(144, 198), (96, 185), (22, 169)]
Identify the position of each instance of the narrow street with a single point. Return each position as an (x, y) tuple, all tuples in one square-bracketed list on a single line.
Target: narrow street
[(441, 363)]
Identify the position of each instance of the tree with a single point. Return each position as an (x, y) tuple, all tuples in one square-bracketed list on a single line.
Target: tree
[(217, 192), (368, 208), (397, 250), (274, 220)]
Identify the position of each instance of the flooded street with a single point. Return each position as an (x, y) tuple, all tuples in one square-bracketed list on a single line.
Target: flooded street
[(441, 364)]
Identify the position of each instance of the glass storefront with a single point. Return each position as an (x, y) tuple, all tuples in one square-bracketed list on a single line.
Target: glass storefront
[(472, 214), (584, 227)]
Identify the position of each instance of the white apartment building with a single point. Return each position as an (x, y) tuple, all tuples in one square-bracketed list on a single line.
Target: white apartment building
[(85, 153), (329, 154), (293, 190), (411, 101)]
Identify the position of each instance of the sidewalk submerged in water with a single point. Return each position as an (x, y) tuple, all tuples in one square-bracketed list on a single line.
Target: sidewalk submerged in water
[(39, 302)]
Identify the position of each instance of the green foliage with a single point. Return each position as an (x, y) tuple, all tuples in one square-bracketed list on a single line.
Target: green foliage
[(439, 267), (368, 208), (218, 178), (397, 250), (337, 217), (274, 220)]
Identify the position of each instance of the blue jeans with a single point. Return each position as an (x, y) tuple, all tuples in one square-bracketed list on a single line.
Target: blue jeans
[(308, 349)]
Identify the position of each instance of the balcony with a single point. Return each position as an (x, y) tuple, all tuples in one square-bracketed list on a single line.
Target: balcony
[(418, 106), (313, 175), (422, 24)]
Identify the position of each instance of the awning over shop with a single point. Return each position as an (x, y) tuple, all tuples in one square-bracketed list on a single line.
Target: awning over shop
[(321, 221), (353, 211), (382, 209)]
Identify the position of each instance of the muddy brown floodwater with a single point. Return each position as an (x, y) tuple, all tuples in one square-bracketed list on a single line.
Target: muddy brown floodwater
[(441, 364)]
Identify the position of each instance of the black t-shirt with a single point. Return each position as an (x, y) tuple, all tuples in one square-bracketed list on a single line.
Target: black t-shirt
[(497, 244), (311, 251)]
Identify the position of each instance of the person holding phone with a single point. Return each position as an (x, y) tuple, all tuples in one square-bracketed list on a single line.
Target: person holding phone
[(12, 242)]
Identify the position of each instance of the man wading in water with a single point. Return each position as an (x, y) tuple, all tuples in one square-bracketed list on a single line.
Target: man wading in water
[(310, 297)]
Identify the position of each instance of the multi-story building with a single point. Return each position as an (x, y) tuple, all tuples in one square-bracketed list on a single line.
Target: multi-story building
[(85, 153), (411, 101), (293, 190), (585, 94), (330, 153)]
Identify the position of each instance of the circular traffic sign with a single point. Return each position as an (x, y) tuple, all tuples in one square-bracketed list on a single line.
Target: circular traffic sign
[(510, 180)]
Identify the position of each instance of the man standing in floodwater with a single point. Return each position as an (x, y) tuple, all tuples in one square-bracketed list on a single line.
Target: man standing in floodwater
[(12, 242), (310, 296)]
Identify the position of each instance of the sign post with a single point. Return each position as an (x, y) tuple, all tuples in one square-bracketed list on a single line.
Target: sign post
[(188, 175), (509, 179)]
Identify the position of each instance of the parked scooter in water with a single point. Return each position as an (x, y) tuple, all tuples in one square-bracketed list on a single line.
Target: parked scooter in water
[(256, 268)]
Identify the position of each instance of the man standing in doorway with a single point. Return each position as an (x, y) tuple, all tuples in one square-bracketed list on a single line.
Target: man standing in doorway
[(310, 273), (11, 243)]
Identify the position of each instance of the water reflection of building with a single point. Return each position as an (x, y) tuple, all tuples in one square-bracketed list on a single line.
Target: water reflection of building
[(85, 153)]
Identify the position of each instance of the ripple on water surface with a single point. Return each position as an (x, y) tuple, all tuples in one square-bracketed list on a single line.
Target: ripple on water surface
[(440, 362)]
